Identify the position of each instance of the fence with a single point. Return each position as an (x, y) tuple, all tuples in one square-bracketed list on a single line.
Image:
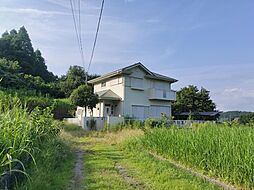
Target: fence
[(98, 123), (183, 123), (93, 123)]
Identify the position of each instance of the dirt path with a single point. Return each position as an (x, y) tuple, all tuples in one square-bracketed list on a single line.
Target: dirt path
[(127, 178), (78, 171)]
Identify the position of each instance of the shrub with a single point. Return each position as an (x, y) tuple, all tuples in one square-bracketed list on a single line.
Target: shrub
[(137, 124), (63, 108), (247, 118), (152, 123)]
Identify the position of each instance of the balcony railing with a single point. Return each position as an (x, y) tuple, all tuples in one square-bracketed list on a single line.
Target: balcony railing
[(167, 95)]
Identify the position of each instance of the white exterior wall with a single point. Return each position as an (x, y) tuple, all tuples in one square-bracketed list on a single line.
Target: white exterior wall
[(112, 85), (116, 85), (140, 97)]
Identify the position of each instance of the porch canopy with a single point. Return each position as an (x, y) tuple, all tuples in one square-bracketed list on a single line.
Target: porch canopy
[(108, 95)]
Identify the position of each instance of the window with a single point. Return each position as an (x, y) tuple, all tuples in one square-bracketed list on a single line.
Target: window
[(161, 85), (116, 81), (140, 112), (103, 84), (137, 83), (164, 94), (156, 111)]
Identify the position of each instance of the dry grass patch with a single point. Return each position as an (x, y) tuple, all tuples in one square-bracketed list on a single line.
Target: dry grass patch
[(120, 136)]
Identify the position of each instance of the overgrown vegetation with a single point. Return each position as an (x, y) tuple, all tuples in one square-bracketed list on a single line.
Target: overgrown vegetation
[(53, 169), (114, 160), (61, 108), (22, 134), (221, 151)]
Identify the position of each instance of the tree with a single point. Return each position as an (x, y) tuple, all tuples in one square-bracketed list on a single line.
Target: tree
[(75, 77), (83, 96), (17, 46), (191, 99), (41, 68), (247, 118)]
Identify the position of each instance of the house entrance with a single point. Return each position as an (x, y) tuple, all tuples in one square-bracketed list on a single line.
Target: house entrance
[(107, 110)]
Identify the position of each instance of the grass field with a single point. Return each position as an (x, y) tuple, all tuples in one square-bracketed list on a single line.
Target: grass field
[(218, 150), (109, 163), (122, 159)]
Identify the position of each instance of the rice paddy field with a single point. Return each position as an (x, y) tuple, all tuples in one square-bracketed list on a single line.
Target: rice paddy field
[(218, 150)]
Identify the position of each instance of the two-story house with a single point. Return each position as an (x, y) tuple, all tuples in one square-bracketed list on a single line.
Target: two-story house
[(133, 91)]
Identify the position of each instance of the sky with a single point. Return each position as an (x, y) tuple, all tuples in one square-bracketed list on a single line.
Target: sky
[(207, 43)]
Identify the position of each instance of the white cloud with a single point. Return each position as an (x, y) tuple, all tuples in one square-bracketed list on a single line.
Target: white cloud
[(129, 1), (239, 92), (31, 11), (66, 4), (235, 98)]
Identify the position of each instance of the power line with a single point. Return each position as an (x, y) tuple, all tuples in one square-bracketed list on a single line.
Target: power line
[(96, 35), (80, 33), (78, 29)]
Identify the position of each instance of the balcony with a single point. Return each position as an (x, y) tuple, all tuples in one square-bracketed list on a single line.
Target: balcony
[(167, 95)]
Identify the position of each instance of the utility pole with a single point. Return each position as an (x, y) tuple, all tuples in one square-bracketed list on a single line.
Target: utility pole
[(86, 77)]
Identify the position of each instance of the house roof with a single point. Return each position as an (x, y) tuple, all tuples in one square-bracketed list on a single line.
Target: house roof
[(108, 95), (126, 70)]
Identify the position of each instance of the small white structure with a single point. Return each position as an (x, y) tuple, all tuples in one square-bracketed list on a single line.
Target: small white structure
[(132, 91)]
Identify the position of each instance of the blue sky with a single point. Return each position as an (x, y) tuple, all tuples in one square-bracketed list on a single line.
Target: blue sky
[(208, 43)]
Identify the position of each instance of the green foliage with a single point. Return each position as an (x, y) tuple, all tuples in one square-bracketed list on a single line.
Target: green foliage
[(115, 128), (75, 77), (157, 123), (68, 127), (53, 165), (128, 124), (247, 118), (83, 96), (11, 78), (224, 152), (22, 133), (190, 99), (156, 173), (23, 68), (137, 124), (231, 115), (17, 46), (61, 108)]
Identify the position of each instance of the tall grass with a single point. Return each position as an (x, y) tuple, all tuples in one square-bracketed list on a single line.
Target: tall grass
[(221, 151), (22, 133), (61, 108)]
